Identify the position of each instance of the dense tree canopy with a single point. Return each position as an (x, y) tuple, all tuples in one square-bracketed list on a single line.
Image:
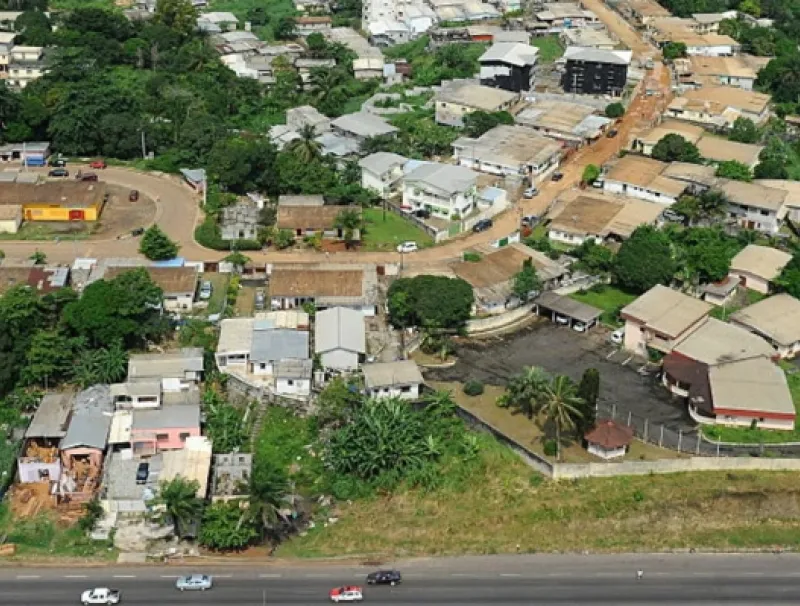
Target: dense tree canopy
[(674, 148), (789, 279), (744, 130), (644, 260), (430, 301), (732, 169)]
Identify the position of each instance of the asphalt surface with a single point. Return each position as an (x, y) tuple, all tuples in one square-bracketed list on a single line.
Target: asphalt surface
[(686, 579)]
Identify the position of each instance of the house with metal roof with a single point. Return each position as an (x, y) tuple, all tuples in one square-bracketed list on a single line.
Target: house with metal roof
[(446, 191), (457, 98), (776, 319), (165, 428), (508, 65), (340, 338), (756, 266), (361, 126), (39, 460), (184, 366), (382, 172), (400, 379)]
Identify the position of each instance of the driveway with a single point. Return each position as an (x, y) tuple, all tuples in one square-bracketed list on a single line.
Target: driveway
[(560, 350)]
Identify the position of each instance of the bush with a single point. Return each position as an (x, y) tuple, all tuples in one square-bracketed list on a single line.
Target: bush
[(615, 110), (472, 257), (550, 448), (473, 388), (208, 235)]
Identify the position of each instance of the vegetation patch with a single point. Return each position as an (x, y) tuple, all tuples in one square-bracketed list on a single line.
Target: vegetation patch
[(610, 299), (549, 47), (384, 230)]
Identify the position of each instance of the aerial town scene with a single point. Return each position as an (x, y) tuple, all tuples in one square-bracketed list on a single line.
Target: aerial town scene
[(399, 301)]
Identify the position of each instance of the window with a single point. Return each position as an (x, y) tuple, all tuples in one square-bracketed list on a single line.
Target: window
[(183, 436), (162, 437), (405, 389), (290, 382)]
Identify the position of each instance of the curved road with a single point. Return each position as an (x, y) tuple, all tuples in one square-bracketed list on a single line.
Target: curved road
[(510, 580)]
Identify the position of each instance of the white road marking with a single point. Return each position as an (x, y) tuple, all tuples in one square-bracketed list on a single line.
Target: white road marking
[(75, 576), (124, 576), (170, 576), (223, 576), (462, 574), (510, 574), (270, 576), (318, 576), (28, 576)]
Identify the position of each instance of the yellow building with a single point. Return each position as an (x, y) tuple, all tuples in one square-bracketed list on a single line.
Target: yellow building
[(56, 201)]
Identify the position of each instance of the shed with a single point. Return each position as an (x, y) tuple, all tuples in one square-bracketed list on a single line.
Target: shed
[(609, 439), (575, 312)]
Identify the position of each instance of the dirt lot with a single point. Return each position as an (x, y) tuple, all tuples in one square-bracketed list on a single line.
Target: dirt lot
[(120, 215), (563, 351)]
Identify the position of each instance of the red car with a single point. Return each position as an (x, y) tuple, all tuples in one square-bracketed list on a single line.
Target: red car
[(349, 593), (98, 164)]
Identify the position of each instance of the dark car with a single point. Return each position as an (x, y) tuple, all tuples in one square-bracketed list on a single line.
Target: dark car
[(384, 577), (422, 213), (58, 172), (59, 162), (142, 472), (134, 195), (138, 231), (557, 176), (612, 133), (482, 225)]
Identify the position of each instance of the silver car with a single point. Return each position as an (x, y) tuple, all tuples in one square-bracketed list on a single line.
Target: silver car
[(194, 582)]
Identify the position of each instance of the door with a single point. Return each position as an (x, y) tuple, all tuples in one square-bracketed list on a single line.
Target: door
[(76, 215)]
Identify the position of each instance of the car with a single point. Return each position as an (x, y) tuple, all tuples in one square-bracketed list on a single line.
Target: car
[(142, 472), (58, 172), (100, 595), (86, 176), (261, 299), (529, 220), (557, 176), (194, 582), (563, 320), (57, 161), (348, 593), (100, 163), (671, 215), (597, 184), (407, 247), (206, 288), (579, 327), (134, 195), (482, 225), (529, 193), (137, 232), (422, 213), (617, 337), (384, 577), (612, 133)]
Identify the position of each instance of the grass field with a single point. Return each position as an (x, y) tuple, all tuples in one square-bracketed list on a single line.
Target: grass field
[(549, 47), (509, 508), (608, 298), (385, 233), (219, 284)]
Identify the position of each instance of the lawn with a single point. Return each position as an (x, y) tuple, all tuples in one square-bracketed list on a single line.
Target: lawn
[(608, 298), (275, 9), (220, 286), (746, 435), (549, 47), (384, 231), (508, 508), (67, 231)]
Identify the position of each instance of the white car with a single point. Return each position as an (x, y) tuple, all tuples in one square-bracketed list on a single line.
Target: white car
[(100, 595), (563, 320), (194, 582), (617, 336), (529, 193), (349, 593), (407, 247), (206, 288), (579, 327)]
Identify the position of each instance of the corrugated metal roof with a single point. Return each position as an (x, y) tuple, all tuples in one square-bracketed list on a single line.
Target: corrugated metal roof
[(340, 328), (271, 345)]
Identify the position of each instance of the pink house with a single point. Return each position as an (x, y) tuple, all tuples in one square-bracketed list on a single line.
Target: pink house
[(165, 428)]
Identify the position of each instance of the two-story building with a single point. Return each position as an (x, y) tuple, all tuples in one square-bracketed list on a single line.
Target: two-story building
[(754, 206), (508, 65), (660, 318), (25, 64), (457, 98), (382, 172), (591, 71), (446, 191)]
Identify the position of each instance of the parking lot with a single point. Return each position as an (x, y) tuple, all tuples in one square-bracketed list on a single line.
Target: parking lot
[(559, 350)]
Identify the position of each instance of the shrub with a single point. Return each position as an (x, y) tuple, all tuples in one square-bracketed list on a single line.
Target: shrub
[(550, 448), (472, 257), (208, 235), (473, 388)]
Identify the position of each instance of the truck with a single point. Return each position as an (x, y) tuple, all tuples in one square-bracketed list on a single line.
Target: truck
[(100, 595)]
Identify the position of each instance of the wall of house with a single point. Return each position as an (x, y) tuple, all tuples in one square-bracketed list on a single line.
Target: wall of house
[(261, 369), (10, 226), (406, 392), (595, 78), (37, 471), (340, 359), (293, 387), (415, 197), (634, 336), (61, 213), (722, 50), (571, 239), (178, 302), (167, 438), (95, 456), (759, 219), (751, 281), (508, 77), (634, 191), (606, 454), (234, 359), (743, 83)]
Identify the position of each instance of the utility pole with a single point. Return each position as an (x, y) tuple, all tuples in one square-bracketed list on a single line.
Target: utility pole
[(144, 147)]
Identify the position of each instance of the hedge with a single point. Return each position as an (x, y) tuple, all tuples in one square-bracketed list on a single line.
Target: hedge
[(207, 234)]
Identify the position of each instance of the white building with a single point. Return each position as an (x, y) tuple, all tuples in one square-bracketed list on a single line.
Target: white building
[(382, 172), (641, 178), (445, 190), (754, 206), (393, 380), (340, 338)]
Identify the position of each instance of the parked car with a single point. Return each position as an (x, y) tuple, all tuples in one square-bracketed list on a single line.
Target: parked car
[(142, 472), (529, 193), (99, 163), (617, 337), (384, 577), (557, 176), (194, 582), (134, 195), (349, 593), (58, 172), (671, 215), (563, 320), (261, 299), (407, 247), (57, 161), (579, 327), (81, 176), (100, 595), (597, 184), (529, 220), (137, 232), (612, 133), (482, 225), (422, 213), (206, 288)]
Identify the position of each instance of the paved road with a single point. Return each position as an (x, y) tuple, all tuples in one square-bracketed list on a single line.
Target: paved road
[(602, 580)]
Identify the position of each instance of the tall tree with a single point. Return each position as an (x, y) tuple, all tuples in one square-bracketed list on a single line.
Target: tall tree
[(348, 220), (644, 260), (560, 405), (306, 147), (588, 392), (525, 281), (178, 15), (732, 169), (525, 390), (269, 492), (179, 497), (674, 148), (223, 528), (157, 246), (744, 130)]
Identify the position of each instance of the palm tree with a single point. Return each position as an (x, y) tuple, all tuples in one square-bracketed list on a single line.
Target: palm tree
[(87, 371), (524, 391), (306, 148), (269, 489), (179, 496), (112, 363), (560, 405), (348, 221), (440, 401), (38, 258)]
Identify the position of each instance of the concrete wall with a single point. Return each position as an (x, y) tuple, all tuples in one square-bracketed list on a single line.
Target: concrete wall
[(498, 321), (638, 468)]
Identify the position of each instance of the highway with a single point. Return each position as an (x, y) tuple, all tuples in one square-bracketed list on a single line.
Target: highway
[(529, 580)]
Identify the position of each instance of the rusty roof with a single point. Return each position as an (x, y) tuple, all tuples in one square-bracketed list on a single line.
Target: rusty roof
[(171, 280), (609, 434), (13, 276), (309, 217), (73, 194), (316, 282)]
